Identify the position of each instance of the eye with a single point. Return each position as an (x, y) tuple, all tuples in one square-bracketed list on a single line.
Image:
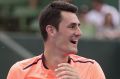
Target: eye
[(72, 26), (78, 25)]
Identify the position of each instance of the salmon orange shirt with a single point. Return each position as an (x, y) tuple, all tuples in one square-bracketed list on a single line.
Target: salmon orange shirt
[(34, 68)]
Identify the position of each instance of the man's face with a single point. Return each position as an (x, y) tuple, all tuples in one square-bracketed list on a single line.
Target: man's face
[(66, 38)]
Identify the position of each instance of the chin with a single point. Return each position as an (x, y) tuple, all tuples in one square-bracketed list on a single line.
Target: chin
[(74, 51)]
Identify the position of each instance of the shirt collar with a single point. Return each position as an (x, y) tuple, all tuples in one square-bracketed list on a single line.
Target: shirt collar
[(45, 66)]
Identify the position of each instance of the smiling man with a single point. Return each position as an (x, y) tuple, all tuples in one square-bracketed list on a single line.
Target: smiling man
[(59, 26)]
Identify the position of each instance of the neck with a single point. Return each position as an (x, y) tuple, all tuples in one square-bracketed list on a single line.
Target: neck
[(53, 56), (52, 60)]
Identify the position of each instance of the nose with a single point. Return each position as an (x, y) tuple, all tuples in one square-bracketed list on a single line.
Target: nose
[(78, 32)]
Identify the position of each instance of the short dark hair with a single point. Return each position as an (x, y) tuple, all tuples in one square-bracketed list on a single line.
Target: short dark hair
[(51, 15)]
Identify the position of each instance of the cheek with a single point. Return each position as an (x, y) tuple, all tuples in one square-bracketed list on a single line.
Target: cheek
[(62, 41)]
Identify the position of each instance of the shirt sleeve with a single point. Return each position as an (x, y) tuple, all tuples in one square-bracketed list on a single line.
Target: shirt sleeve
[(96, 71), (15, 72)]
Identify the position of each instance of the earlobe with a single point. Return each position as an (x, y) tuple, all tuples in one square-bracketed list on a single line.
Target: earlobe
[(50, 30)]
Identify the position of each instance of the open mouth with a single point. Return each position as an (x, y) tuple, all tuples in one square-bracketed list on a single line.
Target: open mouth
[(74, 42)]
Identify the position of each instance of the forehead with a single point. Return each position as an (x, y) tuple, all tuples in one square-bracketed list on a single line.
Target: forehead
[(69, 17)]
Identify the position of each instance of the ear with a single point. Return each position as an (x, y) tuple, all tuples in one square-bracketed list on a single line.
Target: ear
[(50, 30)]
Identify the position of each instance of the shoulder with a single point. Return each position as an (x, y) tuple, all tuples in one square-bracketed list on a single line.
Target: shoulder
[(27, 62), (80, 59), (18, 69), (88, 65)]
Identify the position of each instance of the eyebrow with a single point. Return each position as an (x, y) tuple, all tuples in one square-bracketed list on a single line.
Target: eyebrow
[(75, 24)]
